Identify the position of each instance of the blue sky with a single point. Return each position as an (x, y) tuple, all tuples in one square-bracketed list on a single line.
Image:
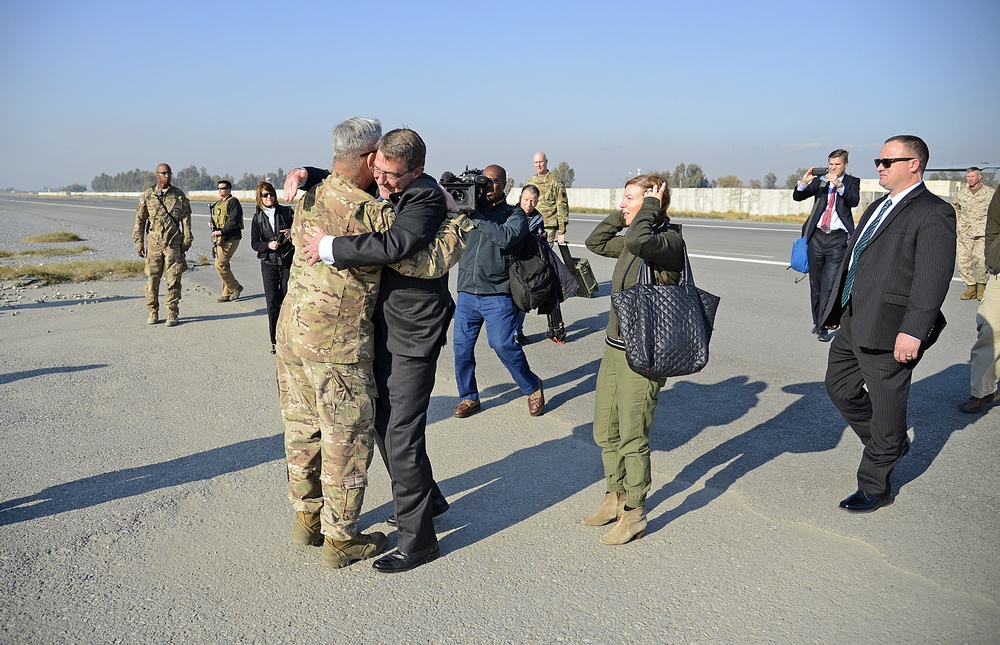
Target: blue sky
[(740, 88)]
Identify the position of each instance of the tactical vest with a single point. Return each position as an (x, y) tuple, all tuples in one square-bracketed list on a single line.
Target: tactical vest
[(220, 214)]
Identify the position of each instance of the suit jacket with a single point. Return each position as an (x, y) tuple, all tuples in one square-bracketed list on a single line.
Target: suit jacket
[(415, 312), (902, 276), (819, 189)]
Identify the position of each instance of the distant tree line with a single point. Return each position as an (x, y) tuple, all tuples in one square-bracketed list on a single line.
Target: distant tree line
[(187, 179)]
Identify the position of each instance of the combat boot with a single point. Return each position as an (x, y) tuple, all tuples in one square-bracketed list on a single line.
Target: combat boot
[(610, 510), (153, 318), (307, 529), (631, 525), (171, 319), (340, 553), (980, 290), (970, 292)]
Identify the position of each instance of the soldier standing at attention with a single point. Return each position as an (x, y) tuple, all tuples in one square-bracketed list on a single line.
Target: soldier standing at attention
[(162, 235), (971, 203), (554, 207), (325, 348), (227, 231)]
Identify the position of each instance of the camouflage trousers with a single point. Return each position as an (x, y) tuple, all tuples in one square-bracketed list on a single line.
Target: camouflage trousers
[(224, 252), (171, 260), (329, 414), (971, 257)]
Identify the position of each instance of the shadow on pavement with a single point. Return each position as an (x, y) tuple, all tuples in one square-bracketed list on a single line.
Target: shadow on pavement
[(119, 484), (42, 371)]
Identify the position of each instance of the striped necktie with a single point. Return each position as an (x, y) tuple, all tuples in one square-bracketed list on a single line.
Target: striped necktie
[(858, 248)]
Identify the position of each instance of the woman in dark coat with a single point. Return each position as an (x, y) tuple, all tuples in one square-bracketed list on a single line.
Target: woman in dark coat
[(269, 237)]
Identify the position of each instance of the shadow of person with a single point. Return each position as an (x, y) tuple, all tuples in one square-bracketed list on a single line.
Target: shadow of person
[(503, 493), (934, 404), (119, 484), (68, 303), (810, 424), (717, 404), (42, 371), (582, 327)]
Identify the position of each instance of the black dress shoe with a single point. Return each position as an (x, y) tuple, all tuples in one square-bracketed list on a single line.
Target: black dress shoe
[(862, 502), (439, 506), (398, 562), (816, 329), (823, 336)]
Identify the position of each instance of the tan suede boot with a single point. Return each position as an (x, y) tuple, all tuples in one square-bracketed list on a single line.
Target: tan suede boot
[(970, 292), (307, 529), (631, 525), (610, 510), (980, 290), (340, 553)]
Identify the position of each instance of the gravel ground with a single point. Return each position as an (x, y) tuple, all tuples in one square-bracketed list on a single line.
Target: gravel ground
[(142, 494)]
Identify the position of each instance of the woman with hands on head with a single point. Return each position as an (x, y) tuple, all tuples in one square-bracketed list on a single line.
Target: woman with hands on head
[(624, 400)]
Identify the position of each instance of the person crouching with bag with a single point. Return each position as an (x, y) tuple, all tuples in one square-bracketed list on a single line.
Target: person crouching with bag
[(626, 401)]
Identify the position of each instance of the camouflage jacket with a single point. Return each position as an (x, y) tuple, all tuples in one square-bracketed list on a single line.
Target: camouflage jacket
[(163, 220), (552, 202), (970, 210), (326, 315)]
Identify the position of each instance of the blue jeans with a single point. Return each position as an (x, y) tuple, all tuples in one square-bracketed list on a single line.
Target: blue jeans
[(500, 316)]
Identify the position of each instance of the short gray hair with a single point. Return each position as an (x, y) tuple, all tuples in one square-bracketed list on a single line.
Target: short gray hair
[(355, 136)]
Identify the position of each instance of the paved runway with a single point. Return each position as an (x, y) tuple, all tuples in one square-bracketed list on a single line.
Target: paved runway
[(142, 486)]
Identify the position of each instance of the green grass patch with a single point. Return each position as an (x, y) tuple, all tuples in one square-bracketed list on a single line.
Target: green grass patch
[(54, 238), (46, 252), (75, 271)]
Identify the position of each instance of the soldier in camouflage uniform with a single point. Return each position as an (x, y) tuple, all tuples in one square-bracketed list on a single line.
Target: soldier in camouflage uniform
[(162, 236), (554, 207), (971, 203), (552, 201), (325, 349)]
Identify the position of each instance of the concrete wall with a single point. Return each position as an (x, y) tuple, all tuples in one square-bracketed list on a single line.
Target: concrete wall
[(755, 202)]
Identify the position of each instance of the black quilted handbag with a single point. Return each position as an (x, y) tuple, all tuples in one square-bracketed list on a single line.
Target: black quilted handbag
[(666, 328)]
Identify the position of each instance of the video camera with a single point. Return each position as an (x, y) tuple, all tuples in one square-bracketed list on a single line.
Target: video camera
[(467, 188)]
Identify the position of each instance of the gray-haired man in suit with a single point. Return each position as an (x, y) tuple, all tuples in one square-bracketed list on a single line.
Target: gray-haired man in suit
[(888, 303)]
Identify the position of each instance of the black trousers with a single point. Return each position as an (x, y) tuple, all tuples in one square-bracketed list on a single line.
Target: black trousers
[(871, 390), (826, 252), (404, 386), (275, 287)]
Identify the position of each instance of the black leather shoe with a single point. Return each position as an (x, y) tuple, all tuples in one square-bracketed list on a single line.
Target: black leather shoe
[(862, 502), (816, 329), (439, 506), (823, 336), (398, 562)]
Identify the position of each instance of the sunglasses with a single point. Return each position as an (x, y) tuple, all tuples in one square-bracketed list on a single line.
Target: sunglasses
[(885, 163), (266, 195)]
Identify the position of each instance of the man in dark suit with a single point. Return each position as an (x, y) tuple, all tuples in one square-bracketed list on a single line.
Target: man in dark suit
[(888, 304), (411, 324), (828, 228)]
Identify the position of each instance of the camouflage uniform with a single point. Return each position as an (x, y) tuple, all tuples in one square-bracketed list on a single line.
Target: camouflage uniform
[(163, 218), (970, 211), (326, 383), (552, 204)]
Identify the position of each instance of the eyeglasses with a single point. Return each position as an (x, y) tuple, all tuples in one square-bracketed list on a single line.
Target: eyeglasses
[(365, 154), (266, 195), (885, 163), (496, 180), (376, 171)]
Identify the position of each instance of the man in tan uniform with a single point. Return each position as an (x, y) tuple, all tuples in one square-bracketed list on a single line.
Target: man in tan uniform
[(325, 350), (162, 236), (971, 203), (227, 231)]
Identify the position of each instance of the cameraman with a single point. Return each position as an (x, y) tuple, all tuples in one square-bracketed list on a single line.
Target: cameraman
[(484, 297), (828, 229)]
